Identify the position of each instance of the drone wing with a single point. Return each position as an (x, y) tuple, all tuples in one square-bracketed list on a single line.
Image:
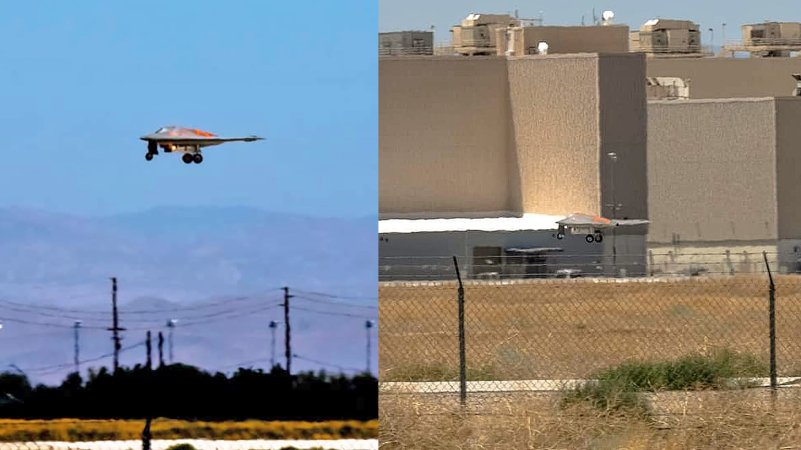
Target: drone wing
[(630, 222), (585, 220)]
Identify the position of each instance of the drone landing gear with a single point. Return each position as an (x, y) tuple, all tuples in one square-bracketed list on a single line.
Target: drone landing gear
[(152, 150), (597, 237), (189, 158)]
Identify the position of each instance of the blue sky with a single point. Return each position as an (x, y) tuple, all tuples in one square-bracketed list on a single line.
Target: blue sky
[(421, 14), (81, 81)]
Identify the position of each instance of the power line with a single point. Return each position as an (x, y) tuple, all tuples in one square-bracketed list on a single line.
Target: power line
[(327, 302), (207, 318), (86, 312), (49, 369), (333, 313), (45, 324), (344, 297)]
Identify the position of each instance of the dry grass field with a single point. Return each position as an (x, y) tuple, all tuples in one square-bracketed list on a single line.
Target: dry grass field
[(72, 430), (557, 329), (739, 419)]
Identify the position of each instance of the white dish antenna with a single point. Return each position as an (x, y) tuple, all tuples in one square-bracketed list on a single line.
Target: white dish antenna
[(542, 48), (607, 16)]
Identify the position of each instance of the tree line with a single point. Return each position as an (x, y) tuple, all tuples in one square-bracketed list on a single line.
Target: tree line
[(186, 392)]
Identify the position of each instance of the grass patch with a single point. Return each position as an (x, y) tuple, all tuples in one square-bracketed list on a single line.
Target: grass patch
[(439, 372), (618, 389), (73, 430)]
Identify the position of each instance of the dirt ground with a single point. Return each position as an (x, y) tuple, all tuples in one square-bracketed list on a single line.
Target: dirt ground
[(558, 329)]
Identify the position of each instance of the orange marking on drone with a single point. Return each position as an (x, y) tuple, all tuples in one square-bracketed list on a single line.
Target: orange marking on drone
[(202, 133)]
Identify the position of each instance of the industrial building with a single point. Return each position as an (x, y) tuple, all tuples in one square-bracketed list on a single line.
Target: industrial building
[(730, 77), (464, 138), (399, 43), (769, 39), (479, 156), (662, 37), (477, 33), (723, 179), (518, 41)]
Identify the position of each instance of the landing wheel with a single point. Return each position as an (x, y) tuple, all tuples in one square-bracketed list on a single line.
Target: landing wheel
[(198, 158), (149, 156), (187, 158), (560, 236), (599, 237), (589, 238)]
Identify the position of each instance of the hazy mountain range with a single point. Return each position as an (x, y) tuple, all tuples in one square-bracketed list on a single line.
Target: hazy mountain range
[(217, 270)]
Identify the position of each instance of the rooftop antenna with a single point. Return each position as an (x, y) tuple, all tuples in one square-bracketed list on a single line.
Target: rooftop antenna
[(582, 20), (516, 15), (594, 17)]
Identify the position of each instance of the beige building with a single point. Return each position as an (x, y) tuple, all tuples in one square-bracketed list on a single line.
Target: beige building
[(500, 139), (492, 136), (730, 77), (477, 33), (665, 37), (769, 39), (723, 179), (518, 41)]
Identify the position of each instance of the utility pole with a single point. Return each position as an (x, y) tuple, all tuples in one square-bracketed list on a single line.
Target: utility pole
[(287, 332), (161, 349), (149, 351), (171, 327), (613, 157), (76, 327), (115, 329), (367, 326), (273, 326)]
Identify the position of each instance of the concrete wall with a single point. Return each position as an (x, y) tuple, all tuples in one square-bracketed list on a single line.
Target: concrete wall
[(711, 171), (788, 166), (554, 104), (623, 130), (594, 39), (443, 132), (730, 77), (716, 258), (524, 134)]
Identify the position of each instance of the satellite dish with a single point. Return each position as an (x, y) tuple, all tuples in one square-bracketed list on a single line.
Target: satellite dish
[(542, 48), (607, 16)]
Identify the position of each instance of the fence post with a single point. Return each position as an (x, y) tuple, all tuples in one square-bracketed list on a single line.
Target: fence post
[(462, 355), (772, 322)]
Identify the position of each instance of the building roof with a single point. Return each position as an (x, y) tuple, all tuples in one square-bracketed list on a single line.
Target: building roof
[(527, 222)]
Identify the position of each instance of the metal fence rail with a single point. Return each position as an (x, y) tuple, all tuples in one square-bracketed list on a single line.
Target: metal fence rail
[(545, 334)]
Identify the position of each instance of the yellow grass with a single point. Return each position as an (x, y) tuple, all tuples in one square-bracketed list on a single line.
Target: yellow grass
[(91, 430), (560, 329)]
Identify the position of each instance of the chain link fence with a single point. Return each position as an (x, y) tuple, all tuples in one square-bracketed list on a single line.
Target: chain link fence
[(550, 334)]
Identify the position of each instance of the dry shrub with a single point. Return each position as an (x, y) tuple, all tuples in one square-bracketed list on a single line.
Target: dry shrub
[(733, 419)]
